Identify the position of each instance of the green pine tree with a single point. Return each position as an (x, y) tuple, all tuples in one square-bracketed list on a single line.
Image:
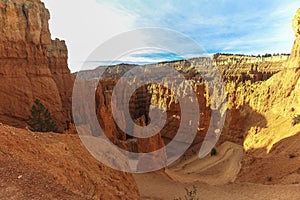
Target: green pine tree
[(40, 119)]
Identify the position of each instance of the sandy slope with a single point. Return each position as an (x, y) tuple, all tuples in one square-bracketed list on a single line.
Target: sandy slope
[(280, 166), (56, 166)]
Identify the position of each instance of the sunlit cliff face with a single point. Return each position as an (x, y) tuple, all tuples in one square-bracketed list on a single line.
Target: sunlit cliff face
[(296, 23), (278, 101)]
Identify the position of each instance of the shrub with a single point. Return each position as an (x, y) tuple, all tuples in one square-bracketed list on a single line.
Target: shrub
[(189, 194), (213, 152), (296, 120), (40, 119)]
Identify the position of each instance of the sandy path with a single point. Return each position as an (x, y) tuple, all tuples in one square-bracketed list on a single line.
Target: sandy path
[(158, 186), (220, 169), (213, 178)]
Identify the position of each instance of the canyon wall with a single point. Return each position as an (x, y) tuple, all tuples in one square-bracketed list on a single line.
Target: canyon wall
[(235, 71), (32, 66), (274, 101), (139, 105), (272, 137), (262, 93)]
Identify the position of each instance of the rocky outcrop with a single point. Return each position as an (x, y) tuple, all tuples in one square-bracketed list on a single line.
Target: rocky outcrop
[(138, 110), (260, 90), (235, 70), (296, 23), (274, 101), (31, 65), (294, 60), (273, 150), (265, 125), (58, 62)]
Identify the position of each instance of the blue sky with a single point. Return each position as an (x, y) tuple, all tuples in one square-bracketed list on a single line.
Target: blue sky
[(245, 26)]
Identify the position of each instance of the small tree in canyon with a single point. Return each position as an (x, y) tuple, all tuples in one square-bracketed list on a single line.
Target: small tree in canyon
[(191, 194), (40, 119), (296, 120)]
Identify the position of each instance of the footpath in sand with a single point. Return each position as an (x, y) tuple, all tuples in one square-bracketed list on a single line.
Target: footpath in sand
[(213, 177), (220, 169)]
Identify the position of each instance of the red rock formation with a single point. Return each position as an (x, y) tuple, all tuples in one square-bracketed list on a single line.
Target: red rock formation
[(31, 65), (57, 59), (270, 148), (256, 109), (139, 106)]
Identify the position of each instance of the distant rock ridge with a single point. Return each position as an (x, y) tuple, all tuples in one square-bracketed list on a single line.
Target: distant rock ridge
[(223, 59), (241, 68), (32, 66), (235, 70)]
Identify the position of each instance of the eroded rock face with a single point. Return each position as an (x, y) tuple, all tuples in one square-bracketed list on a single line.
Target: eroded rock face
[(235, 70), (272, 138), (260, 114), (31, 65), (57, 61), (296, 23), (259, 89), (139, 105), (294, 61)]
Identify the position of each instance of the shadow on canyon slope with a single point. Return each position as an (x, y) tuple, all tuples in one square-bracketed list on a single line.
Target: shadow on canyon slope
[(239, 121), (279, 166)]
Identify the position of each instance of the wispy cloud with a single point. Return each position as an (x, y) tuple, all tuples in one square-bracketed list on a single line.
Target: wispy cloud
[(247, 26), (224, 25)]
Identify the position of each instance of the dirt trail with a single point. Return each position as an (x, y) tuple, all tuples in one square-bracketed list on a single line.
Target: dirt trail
[(214, 176), (158, 186), (220, 169)]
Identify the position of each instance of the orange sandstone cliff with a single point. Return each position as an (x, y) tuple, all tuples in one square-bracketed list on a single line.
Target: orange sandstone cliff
[(235, 70), (32, 66), (272, 146), (34, 165)]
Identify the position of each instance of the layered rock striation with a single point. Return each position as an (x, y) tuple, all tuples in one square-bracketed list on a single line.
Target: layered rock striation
[(235, 71), (262, 99), (32, 66)]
